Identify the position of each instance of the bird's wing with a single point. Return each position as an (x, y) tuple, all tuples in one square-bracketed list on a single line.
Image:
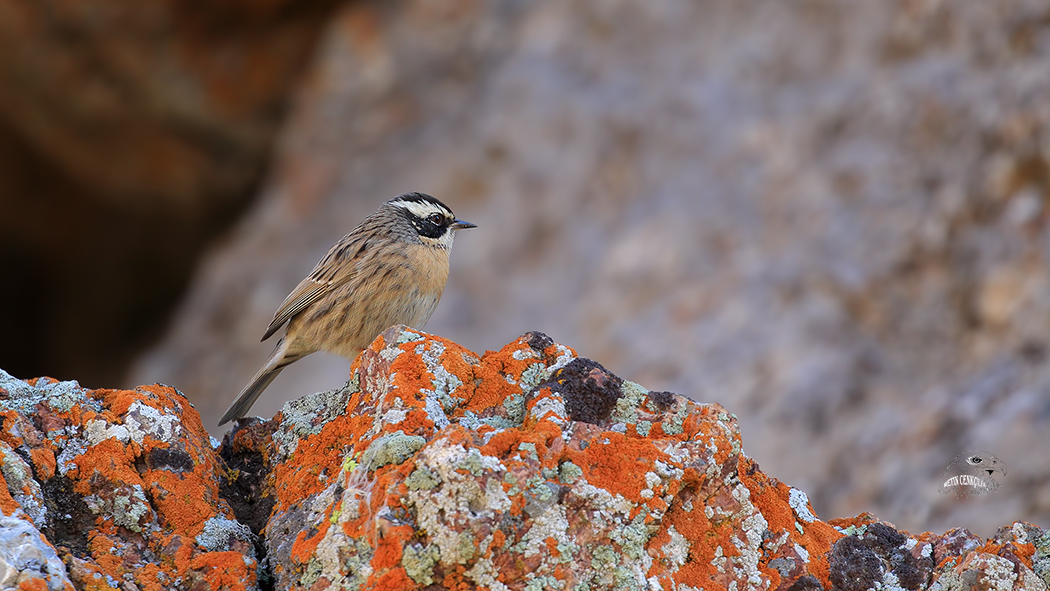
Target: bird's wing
[(331, 272)]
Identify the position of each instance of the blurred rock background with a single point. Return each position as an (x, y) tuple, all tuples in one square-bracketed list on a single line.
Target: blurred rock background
[(830, 217)]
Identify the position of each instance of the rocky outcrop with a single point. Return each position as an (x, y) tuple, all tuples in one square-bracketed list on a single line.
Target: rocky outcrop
[(436, 468), (113, 489)]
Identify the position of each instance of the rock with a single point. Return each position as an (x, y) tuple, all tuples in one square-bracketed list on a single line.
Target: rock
[(124, 486), (437, 468)]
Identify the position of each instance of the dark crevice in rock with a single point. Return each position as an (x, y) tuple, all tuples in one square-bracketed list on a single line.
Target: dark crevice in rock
[(69, 518), (244, 485)]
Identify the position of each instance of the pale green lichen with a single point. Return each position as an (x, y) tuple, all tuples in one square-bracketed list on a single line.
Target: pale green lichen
[(643, 427), (610, 572), (673, 425), (473, 462), (515, 407), (126, 510), (311, 573), (299, 415), (407, 336), (418, 562), (529, 449), (511, 479), (469, 421), (568, 473), (626, 409), (393, 448), (1041, 558), (633, 537), (422, 479), (465, 549), (533, 376)]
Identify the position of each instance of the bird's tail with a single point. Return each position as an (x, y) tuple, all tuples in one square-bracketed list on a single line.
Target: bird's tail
[(279, 359)]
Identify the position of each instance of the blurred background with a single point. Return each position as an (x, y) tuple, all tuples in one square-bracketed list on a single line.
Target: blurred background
[(830, 217)]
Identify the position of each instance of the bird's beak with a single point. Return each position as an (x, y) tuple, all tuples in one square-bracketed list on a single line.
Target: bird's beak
[(461, 225)]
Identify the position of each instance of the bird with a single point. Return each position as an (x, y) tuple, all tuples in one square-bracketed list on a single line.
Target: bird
[(391, 269)]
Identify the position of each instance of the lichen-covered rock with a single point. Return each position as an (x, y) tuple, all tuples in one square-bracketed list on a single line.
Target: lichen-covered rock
[(524, 468), (527, 468), (875, 555), (124, 484)]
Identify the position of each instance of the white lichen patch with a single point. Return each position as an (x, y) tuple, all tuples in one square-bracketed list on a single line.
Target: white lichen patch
[(565, 356), (603, 501), (22, 486), (61, 396), (470, 491), (394, 415), (753, 524), (802, 553), (525, 353), (342, 560), (676, 550), (146, 421), (550, 408), (435, 411), (984, 571), (800, 504), (127, 506), (439, 400), (388, 354), (408, 336), (552, 523), (96, 431), (219, 530)]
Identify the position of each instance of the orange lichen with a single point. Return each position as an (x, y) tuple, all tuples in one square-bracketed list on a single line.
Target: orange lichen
[(33, 585), (138, 473), (306, 541), (43, 462), (617, 465), (392, 580), (224, 569)]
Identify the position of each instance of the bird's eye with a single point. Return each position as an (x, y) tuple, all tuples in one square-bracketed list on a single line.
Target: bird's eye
[(436, 218)]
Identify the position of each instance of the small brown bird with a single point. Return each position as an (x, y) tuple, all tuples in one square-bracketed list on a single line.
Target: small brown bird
[(389, 270)]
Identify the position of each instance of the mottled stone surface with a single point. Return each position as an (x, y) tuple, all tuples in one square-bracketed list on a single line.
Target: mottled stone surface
[(123, 485), (434, 467)]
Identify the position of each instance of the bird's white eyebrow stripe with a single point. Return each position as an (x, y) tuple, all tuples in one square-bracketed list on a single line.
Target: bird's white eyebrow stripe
[(421, 209)]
